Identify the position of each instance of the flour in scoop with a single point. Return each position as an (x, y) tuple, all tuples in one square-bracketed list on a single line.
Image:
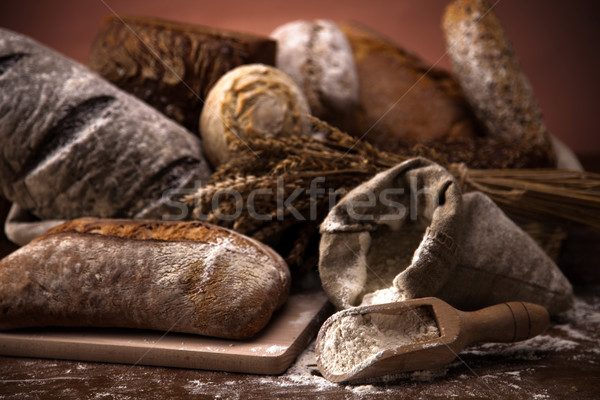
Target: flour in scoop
[(354, 339)]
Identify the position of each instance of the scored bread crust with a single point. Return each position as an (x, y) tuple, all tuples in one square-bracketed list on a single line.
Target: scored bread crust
[(318, 57), (253, 100), (74, 145), (186, 277)]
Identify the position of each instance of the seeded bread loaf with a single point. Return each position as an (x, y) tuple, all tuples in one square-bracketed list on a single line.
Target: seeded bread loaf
[(172, 65), (489, 71), (74, 145), (171, 276)]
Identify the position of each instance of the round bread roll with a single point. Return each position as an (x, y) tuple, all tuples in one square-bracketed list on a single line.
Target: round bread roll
[(319, 59), (489, 72), (249, 101)]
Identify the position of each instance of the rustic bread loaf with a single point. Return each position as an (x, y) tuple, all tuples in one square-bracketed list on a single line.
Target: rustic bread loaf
[(74, 145), (318, 57), (171, 65), (253, 100), (172, 276), (489, 72), (401, 99)]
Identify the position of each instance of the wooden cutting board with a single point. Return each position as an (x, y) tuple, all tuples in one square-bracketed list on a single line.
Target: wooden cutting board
[(272, 351)]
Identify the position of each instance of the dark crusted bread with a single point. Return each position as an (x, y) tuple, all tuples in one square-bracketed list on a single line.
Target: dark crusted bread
[(412, 109), (74, 145), (178, 276), (401, 99), (171, 65)]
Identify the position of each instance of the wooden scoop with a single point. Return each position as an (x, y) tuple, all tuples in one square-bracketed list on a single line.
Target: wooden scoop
[(507, 322)]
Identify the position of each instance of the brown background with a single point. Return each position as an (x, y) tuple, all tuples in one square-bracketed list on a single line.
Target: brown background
[(557, 41)]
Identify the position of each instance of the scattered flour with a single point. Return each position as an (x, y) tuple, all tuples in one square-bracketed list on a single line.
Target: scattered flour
[(354, 339), (362, 388), (275, 349), (572, 332), (524, 350)]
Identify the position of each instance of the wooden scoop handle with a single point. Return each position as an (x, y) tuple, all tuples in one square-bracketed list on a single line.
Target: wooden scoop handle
[(506, 322)]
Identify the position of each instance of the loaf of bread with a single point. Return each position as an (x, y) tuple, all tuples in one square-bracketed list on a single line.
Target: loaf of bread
[(171, 276), (318, 57), (171, 65), (253, 100), (401, 99), (74, 145), (488, 69)]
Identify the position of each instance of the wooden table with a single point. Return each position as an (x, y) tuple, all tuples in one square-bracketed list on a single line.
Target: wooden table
[(564, 362)]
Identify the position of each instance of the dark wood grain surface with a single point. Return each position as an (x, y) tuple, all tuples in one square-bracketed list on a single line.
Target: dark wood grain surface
[(563, 362)]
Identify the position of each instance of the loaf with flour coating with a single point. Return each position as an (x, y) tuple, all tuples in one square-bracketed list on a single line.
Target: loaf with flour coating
[(74, 145), (251, 101), (172, 276), (318, 57), (489, 71)]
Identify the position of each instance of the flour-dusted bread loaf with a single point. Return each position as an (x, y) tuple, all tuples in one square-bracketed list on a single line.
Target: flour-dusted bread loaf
[(253, 100), (401, 98), (172, 65), (318, 57), (171, 276), (488, 69), (74, 145)]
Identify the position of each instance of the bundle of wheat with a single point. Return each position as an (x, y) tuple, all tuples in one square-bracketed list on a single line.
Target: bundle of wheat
[(273, 185)]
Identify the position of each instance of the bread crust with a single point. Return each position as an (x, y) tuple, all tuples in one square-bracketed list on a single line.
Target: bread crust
[(74, 145), (186, 277), (489, 71), (253, 100), (172, 65), (318, 57), (401, 99)]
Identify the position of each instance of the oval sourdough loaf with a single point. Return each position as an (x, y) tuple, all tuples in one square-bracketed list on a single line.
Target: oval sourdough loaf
[(173, 276), (74, 145), (172, 65), (401, 98), (318, 57)]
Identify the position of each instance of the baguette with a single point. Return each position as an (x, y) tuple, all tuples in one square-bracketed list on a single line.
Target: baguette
[(186, 277), (172, 65), (489, 71), (74, 145)]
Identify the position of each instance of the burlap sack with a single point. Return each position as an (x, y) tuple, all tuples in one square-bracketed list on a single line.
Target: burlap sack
[(409, 232)]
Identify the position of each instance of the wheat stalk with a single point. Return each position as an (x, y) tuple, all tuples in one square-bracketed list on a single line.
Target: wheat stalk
[(538, 194)]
